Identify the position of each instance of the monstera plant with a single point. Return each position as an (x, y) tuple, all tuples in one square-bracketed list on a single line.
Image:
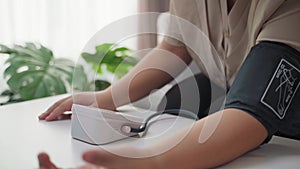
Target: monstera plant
[(111, 58), (33, 72)]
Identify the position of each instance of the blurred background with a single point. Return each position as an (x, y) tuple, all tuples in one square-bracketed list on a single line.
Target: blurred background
[(65, 26)]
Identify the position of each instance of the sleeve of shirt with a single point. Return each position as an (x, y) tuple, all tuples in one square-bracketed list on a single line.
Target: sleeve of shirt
[(283, 26), (186, 10), (173, 36)]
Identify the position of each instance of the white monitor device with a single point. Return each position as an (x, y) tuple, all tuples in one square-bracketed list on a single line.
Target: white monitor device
[(98, 126)]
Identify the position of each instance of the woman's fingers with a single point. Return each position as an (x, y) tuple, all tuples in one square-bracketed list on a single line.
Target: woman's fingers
[(44, 162), (53, 107), (63, 107)]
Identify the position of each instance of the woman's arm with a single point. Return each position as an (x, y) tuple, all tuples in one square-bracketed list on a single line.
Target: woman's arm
[(156, 69), (236, 133)]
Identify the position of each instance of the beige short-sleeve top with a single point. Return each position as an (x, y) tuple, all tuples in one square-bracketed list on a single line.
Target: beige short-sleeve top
[(233, 33)]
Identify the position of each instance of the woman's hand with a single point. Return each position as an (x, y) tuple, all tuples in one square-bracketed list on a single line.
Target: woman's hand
[(46, 163), (102, 159), (95, 99)]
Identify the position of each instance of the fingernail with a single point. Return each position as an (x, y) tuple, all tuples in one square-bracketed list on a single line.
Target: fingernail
[(43, 156), (89, 157)]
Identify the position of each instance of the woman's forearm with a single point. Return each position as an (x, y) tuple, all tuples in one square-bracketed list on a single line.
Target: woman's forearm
[(156, 69), (210, 142), (215, 140)]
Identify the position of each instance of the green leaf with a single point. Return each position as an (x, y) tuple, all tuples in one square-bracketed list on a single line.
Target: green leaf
[(12, 97), (33, 72), (112, 57), (80, 81), (122, 49), (104, 47), (101, 85), (4, 49), (91, 58)]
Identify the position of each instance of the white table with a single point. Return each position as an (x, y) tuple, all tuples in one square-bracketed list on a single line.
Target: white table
[(23, 136)]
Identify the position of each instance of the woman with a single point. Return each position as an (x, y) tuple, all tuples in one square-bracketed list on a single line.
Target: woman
[(258, 43)]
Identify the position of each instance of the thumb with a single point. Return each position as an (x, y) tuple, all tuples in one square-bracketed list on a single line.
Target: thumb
[(44, 162), (113, 161)]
